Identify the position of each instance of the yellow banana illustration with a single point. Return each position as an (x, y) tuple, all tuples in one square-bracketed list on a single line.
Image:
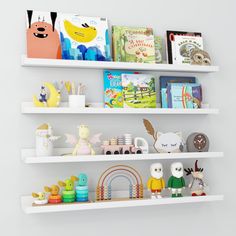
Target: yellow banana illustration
[(83, 34)]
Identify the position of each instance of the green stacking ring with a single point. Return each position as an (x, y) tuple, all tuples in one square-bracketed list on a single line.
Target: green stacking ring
[(68, 196), (68, 200), (68, 192)]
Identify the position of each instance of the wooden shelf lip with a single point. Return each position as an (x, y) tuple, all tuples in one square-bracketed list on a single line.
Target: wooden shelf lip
[(39, 62), (27, 207), (29, 157), (29, 108)]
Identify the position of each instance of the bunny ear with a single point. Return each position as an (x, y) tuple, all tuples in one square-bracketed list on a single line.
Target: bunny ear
[(96, 138), (71, 139)]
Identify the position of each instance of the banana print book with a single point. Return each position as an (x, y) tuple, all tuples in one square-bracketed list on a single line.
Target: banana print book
[(84, 38)]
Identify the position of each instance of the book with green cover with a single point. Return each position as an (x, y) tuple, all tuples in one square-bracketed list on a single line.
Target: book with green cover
[(133, 44)]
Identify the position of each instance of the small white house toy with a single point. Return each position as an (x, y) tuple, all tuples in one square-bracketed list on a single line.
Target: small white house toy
[(40, 198), (176, 182), (165, 142), (156, 183), (83, 145), (44, 140), (197, 185), (125, 145)]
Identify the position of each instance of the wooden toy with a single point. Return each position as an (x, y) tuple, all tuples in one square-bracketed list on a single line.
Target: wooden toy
[(82, 188), (200, 57), (54, 197), (165, 142), (176, 182), (197, 142), (68, 194), (40, 198), (104, 186), (125, 145), (83, 146), (156, 183), (44, 140), (44, 101), (197, 185)]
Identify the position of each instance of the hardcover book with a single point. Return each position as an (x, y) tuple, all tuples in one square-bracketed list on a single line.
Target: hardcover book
[(42, 34), (165, 80), (184, 95), (139, 90), (132, 44), (113, 97), (170, 42), (84, 38)]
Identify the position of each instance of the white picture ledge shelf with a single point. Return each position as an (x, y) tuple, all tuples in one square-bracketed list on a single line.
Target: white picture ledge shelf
[(38, 62), (29, 157), (26, 203), (29, 108)]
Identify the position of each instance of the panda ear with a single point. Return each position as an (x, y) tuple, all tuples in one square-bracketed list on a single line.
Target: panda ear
[(179, 134)]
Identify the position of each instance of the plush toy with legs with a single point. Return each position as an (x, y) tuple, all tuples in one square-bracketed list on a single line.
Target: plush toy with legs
[(176, 182)]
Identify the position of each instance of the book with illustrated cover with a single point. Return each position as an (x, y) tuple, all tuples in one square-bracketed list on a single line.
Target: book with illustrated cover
[(133, 44), (181, 95), (158, 48), (165, 80), (84, 38), (170, 43), (113, 96), (139, 90), (43, 35), (184, 46)]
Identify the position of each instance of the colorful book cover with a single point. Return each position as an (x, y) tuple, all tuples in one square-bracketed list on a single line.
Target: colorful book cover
[(113, 97), (184, 46), (158, 49), (165, 80), (84, 38), (133, 44), (42, 34), (170, 42), (139, 90), (184, 95)]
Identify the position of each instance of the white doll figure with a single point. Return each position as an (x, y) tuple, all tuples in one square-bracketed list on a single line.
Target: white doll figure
[(176, 182), (156, 183), (44, 140)]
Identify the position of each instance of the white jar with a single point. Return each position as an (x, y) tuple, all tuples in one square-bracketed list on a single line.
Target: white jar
[(77, 101)]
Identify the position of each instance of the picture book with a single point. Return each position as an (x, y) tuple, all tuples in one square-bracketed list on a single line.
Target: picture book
[(165, 80), (181, 95), (184, 46), (42, 35), (133, 44), (113, 97), (139, 90), (170, 42), (84, 38), (158, 48)]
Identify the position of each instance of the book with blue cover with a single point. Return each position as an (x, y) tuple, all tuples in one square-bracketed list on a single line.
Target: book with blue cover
[(184, 95), (113, 97), (164, 80)]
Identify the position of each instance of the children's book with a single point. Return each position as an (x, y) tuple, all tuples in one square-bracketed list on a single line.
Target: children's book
[(113, 97), (139, 90), (42, 34), (158, 49), (165, 80), (181, 95), (133, 44), (84, 38), (170, 42), (184, 46)]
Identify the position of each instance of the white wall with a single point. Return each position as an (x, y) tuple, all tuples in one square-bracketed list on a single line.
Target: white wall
[(215, 20)]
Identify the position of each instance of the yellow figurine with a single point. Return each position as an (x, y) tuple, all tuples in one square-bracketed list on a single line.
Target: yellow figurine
[(52, 101), (40, 198), (156, 183), (82, 34)]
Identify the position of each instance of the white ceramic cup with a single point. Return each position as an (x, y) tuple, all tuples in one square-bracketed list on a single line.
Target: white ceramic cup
[(77, 101)]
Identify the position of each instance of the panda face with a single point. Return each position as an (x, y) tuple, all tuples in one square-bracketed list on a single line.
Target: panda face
[(177, 169), (156, 170)]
